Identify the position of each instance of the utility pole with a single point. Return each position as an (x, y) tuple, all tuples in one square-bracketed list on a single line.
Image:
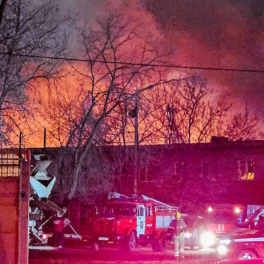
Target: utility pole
[(136, 146), (134, 114)]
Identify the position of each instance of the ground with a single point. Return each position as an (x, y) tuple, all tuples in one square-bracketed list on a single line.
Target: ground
[(116, 256)]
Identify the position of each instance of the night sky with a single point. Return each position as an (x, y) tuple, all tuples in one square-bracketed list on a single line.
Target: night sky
[(203, 33), (221, 34)]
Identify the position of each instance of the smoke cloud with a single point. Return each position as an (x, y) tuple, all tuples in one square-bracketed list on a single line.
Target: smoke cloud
[(203, 33), (219, 34)]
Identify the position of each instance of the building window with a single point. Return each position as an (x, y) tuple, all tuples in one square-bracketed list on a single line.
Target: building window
[(205, 169), (246, 170), (83, 217), (144, 174), (178, 168)]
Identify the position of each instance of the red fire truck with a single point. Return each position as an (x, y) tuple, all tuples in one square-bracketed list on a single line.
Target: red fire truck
[(217, 221), (129, 222)]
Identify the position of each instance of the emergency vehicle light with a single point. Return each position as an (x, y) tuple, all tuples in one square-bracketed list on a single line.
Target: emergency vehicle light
[(222, 249), (207, 239), (225, 241), (188, 234), (237, 210)]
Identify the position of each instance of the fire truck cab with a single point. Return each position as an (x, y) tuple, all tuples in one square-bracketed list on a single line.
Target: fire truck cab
[(129, 222)]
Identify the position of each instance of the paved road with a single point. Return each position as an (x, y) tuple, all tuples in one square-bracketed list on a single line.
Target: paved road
[(115, 256)]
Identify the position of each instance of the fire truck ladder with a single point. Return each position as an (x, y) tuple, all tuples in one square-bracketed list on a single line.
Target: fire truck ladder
[(160, 206), (115, 195)]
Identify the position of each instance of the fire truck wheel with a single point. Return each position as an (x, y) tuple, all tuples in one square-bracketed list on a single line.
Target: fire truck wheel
[(131, 242), (159, 244)]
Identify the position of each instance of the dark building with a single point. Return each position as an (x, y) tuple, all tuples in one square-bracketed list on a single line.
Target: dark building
[(196, 174), (188, 175)]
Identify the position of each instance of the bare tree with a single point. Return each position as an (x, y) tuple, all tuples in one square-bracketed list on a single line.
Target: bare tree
[(113, 42), (243, 126), (114, 57), (2, 8), (193, 114), (183, 111), (28, 32)]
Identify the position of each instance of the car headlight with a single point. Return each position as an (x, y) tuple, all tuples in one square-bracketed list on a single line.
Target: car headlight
[(207, 239), (222, 249), (224, 241), (188, 234)]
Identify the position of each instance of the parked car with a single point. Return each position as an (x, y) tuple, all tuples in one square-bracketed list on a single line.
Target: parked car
[(242, 243)]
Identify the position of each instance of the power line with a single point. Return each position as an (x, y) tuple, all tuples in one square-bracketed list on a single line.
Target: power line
[(160, 64)]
